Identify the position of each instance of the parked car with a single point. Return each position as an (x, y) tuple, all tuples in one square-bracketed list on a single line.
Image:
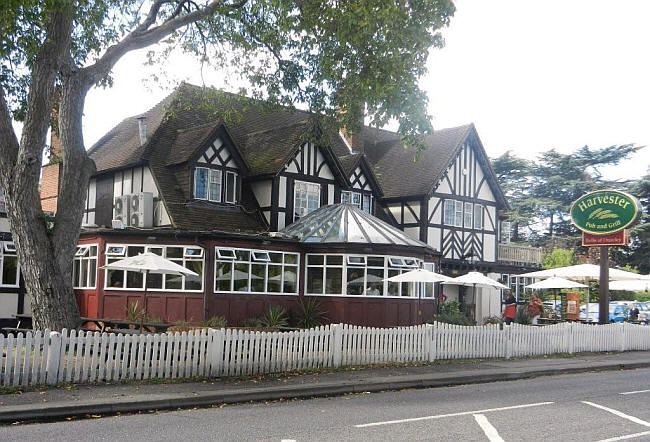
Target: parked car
[(617, 312)]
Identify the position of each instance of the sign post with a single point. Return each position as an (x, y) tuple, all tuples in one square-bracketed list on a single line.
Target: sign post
[(602, 216)]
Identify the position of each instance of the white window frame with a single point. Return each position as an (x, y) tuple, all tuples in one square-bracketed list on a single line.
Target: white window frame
[(479, 209), (114, 253), (207, 183), (345, 265), (297, 216), (449, 212), (252, 261), (459, 213), (9, 247), (4, 252), (234, 188), (147, 247), (230, 255), (82, 255), (468, 216), (211, 174)]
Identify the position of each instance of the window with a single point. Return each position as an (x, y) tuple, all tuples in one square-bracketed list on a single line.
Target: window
[(459, 214), (449, 213), (306, 198), (190, 257), (231, 187), (256, 271), (478, 216), (428, 287), (201, 183), (467, 220), (9, 268), (84, 269), (357, 275), (361, 201), (215, 186)]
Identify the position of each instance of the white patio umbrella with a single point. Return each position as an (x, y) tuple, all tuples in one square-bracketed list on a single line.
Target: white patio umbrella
[(419, 275), (637, 285), (582, 273), (146, 263), (555, 282), (474, 279)]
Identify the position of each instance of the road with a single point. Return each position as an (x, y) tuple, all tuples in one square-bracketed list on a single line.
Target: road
[(595, 407)]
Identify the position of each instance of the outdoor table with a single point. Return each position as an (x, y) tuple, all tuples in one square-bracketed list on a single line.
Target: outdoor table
[(122, 324)]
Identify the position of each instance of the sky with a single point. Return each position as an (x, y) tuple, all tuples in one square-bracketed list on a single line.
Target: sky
[(532, 75)]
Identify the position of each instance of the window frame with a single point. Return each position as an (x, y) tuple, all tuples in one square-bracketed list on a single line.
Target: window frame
[(85, 258), (344, 266), (207, 183), (481, 210), (226, 187), (296, 216), (147, 247), (4, 253), (468, 216), (220, 181), (252, 261)]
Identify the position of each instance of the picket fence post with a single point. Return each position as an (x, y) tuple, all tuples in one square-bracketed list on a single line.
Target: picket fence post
[(337, 343), (431, 335), (623, 328), (508, 341), (215, 351), (53, 356), (571, 338)]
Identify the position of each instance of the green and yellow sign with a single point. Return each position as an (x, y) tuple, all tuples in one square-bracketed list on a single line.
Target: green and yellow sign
[(604, 211)]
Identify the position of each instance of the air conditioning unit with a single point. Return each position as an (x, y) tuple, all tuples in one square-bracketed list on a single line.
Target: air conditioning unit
[(121, 209), (141, 210)]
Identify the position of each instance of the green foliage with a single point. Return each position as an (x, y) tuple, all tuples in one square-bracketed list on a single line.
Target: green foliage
[(310, 313), (215, 322), (522, 316), (559, 258), (134, 313), (250, 323), (330, 56), (276, 316), (540, 192), (450, 313), (493, 320)]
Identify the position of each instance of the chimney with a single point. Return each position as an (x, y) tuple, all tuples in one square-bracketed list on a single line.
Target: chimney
[(142, 128), (354, 139), (50, 175)]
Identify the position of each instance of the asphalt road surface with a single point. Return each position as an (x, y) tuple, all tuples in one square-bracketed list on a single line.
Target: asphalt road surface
[(607, 406)]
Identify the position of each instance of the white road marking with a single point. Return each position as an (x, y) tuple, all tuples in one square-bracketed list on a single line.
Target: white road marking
[(439, 416), (627, 436), (489, 430), (636, 420), (635, 392), (288, 440)]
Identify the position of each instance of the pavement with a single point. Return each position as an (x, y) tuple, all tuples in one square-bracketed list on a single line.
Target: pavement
[(49, 404)]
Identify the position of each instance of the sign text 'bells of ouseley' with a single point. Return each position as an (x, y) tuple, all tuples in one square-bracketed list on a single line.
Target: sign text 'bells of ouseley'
[(604, 211)]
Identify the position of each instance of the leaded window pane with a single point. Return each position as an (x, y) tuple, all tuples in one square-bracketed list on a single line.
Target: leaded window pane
[(201, 183)]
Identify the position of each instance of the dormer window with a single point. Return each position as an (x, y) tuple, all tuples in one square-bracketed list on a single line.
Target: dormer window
[(215, 185)]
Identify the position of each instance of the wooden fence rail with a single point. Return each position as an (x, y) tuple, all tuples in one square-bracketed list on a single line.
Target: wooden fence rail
[(86, 357)]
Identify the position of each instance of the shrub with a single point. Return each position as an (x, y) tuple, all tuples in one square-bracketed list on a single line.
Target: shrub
[(522, 316), (493, 320), (134, 313), (180, 326), (310, 313), (450, 313), (155, 320), (250, 323), (274, 317), (215, 322)]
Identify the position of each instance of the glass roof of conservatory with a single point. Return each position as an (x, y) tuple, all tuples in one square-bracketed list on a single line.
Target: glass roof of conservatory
[(344, 223)]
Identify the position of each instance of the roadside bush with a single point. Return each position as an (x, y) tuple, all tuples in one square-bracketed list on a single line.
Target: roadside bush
[(134, 313), (310, 313), (276, 316), (215, 322), (450, 313)]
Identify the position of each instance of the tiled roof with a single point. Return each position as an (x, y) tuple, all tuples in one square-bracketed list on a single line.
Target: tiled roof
[(266, 138)]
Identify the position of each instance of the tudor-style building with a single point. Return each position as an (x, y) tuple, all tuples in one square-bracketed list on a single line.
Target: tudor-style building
[(12, 289), (232, 200)]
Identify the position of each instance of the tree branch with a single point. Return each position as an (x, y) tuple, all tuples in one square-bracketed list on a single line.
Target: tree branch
[(138, 39), (8, 142)]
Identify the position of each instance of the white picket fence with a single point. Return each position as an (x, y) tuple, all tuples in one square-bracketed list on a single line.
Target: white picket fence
[(87, 357)]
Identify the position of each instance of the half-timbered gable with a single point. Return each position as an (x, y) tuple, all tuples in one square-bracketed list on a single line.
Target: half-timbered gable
[(362, 190)]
